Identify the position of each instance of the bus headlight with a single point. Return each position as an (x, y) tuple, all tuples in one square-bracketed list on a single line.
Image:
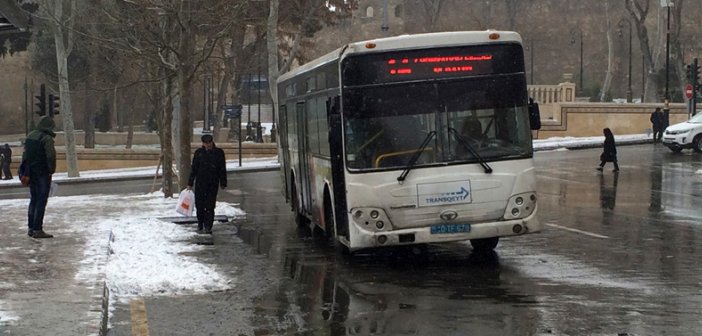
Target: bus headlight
[(371, 219), (520, 206)]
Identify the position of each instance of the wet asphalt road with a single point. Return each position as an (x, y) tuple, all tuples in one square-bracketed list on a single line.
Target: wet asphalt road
[(619, 255)]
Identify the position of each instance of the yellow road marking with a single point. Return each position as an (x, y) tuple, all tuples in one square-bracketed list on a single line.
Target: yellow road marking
[(140, 324)]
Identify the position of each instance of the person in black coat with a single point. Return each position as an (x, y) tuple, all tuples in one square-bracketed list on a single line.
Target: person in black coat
[(609, 154), (208, 173), (657, 125), (6, 153)]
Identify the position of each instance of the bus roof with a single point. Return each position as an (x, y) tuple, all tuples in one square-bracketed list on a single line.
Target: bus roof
[(442, 39)]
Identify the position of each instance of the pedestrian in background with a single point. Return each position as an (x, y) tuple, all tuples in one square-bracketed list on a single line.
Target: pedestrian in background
[(6, 154), (665, 122), (40, 154), (609, 154), (657, 125), (208, 172)]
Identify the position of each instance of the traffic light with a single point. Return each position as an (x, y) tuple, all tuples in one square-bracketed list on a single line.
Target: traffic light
[(688, 73), (53, 105), (41, 101), (695, 73)]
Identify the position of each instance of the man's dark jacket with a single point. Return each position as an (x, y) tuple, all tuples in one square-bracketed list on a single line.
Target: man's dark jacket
[(7, 152), (209, 168), (39, 148)]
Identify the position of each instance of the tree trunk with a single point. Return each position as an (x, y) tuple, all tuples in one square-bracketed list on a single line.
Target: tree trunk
[(90, 106), (185, 127), (165, 135), (63, 50), (185, 91), (130, 127), (114, 110), (610, 56), (272, 46)]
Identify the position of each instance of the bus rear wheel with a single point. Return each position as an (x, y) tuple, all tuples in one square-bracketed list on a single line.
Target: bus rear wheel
[(484, 244)]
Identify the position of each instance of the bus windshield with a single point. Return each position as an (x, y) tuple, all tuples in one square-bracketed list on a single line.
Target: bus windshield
[(475, 119)]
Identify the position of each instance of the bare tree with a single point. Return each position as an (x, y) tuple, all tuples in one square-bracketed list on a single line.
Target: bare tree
[(432, 9), (61, 22), (676, 45), (285, 35), (179, 36), (638, 11)]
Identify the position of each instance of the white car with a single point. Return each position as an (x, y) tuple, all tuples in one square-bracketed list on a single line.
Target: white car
[(686, 134)]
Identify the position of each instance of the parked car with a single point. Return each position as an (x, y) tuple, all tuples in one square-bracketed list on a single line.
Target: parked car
[(684, 135)]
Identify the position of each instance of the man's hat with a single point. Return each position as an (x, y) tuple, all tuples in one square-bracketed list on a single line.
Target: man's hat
[(206, 138)]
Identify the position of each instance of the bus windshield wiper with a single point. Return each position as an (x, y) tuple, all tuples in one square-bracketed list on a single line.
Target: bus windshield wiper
[(471, 149), (415, 157)]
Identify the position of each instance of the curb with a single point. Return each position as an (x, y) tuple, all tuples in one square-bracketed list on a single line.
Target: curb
[(593, 145), (79, 180), (99, 309)]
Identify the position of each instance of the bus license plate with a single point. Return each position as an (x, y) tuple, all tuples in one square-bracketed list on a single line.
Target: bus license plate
[(450, 228)]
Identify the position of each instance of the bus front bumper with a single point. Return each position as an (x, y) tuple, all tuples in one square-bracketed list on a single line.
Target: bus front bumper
[(424, 235)]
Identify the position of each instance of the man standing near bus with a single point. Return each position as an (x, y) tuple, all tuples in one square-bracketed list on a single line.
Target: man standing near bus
[(208, 172), (40, 154)]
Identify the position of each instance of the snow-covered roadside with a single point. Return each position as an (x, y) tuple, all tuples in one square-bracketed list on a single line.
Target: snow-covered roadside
[(146, 255)]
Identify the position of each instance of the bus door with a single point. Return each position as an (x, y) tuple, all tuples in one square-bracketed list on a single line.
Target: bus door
[(285, 151), (303, 164), (336, 149)]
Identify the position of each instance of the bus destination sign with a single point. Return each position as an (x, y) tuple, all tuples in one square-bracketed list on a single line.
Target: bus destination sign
[(437, 64), (432, 64)]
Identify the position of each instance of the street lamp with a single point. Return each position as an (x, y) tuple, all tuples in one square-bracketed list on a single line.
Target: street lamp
[(572, 41), (530, 47), (628, 88), (385, 27), (668, 4)]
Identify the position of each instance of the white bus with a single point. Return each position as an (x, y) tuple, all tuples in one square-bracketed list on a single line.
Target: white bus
[(411, 139)]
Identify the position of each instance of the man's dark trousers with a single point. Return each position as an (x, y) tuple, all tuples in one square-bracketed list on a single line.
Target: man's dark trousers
[(39, 188), (205, 202)]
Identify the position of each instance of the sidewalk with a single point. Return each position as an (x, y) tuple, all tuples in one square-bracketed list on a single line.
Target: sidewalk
[(59, 286), (42, 288)]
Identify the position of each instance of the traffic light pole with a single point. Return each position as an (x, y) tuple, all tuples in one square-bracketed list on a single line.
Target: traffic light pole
[(41, 100), (695, 85)]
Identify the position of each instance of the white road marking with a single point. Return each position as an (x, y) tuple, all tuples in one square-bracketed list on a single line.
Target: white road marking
[(577, 231)]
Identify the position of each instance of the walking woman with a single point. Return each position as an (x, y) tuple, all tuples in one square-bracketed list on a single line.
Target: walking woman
[(609, 154)]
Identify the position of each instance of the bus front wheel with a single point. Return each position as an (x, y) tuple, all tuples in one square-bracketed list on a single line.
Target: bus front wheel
[(484, 244)]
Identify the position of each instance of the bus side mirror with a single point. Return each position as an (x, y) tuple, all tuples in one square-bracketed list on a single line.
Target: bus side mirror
[(534, 115)]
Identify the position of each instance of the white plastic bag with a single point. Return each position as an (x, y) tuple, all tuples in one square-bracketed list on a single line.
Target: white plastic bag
[(186, 203)]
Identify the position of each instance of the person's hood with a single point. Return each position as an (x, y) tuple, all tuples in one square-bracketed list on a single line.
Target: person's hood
[(46, 125)]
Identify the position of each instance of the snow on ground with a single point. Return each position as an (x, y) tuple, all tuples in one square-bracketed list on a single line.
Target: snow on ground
[(146, 254), (6, 316), (561, 142)]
